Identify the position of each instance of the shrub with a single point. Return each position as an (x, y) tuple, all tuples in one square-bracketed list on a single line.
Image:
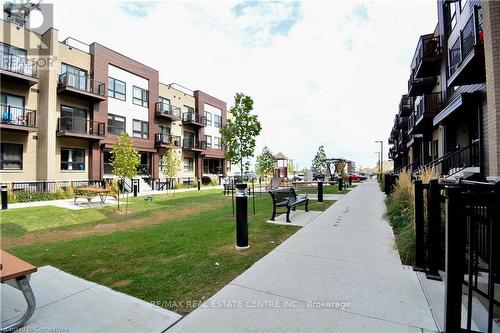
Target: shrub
[(69, 191), (205, 180), (59, 192)]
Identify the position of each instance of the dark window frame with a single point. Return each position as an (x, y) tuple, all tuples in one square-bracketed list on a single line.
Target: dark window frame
[(208, 122), (217, 121), (143, 100), (134, 131), (73, 163), (112, 127), (453, 17), (190, 165), (112, 89), (208, 144), (2, 160)]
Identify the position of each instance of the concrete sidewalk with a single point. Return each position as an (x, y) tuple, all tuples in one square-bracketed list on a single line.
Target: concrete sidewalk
[(339, 273)]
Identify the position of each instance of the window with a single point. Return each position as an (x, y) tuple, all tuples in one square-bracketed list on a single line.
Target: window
[(188, 164), (453, 16), (73, 76), (164, 105), (164, 101), (15, 60), (140, 97), (116, 124), (11, 156), (12, 109), (217, 143), (208, 141), (73, 119), (117, 89), (208, 118), (217, 121), (140, 129), (72, 159)]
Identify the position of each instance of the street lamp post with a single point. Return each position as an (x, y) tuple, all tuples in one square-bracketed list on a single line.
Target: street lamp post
[(378, 159), (381, 157)]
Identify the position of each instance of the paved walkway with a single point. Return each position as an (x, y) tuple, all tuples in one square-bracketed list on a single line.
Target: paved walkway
[(66, 303), (339, 273)]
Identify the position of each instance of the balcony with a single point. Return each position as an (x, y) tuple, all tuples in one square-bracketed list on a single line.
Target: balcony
[(19, 119), (193, 118), (82, 86), (411, 123), (466, 63), (427, 59), (420, 86), (194, 145), (167, 140), (405, 106), (426, 108), (167, 111), (80, 128), (17, 69)]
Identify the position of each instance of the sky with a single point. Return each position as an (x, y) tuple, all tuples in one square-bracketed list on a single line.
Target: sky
[(320, 73)]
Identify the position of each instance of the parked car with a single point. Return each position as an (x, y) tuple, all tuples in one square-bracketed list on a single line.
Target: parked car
[(298, 177), (319, 176), (356, 177)]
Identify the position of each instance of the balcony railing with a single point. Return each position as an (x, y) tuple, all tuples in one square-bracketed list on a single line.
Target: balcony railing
[(162, 139), (80, 126), (164, 109), (470, 36), (12, 115), (193, 144), (193, 117), (428, 50), (411, 122), (418, 86), (428, 104), (17, 64), (82, 83), (405, 105)]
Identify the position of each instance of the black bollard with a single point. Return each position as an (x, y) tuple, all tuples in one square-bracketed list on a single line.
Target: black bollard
[(241, 217), (320, 191), (5, 198), (341, 184), (135, 190), (350, 180), (199, 184)]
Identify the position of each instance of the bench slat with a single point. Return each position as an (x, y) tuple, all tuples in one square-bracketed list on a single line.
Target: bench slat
[(12, 267)]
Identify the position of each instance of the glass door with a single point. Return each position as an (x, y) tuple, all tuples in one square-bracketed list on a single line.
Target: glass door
[(75, 77), (74, 119)]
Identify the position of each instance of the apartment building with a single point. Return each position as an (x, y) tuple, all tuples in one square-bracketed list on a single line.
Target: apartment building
[(448, 119), (63, 105)]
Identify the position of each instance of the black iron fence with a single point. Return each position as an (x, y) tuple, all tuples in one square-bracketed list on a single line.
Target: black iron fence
[(13, 115), (51, 186), (82, 83), (81, 126), (456, 233)]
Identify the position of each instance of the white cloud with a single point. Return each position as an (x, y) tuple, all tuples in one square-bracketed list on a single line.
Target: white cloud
[(333, 77)]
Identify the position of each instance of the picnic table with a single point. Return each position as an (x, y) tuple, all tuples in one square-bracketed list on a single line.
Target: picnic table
[(16, 273), (91, 192)]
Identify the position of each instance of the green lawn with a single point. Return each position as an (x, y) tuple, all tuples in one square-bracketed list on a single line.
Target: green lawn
[(166, 256)]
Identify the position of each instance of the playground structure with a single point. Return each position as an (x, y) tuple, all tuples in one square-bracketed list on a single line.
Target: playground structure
[(280, 166)]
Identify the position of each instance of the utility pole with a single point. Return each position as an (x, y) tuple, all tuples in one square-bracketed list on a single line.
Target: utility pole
[(381, 157)]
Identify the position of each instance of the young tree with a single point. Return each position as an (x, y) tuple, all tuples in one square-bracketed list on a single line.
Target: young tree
[(171, 163), (318, 163), (240, 131), (290, 167), (265, 162), (124, 159)]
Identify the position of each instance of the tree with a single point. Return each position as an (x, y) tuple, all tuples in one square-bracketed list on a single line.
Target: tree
[(265, 162), (290, 167), (318, 163), (171, 163), (240, 131), (124, 159)]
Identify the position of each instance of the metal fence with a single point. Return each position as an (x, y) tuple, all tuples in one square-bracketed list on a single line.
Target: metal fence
[(51, 186), (457, 232)]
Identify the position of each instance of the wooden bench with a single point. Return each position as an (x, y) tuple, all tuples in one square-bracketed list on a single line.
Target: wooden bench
[(16, 273), (89, 193), (287, 197)]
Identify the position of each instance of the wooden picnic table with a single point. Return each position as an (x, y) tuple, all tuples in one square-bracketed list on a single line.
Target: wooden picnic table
[(91, 192), (16, 273)]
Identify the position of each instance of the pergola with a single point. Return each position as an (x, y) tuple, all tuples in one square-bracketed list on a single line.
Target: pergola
[(336, 162)]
